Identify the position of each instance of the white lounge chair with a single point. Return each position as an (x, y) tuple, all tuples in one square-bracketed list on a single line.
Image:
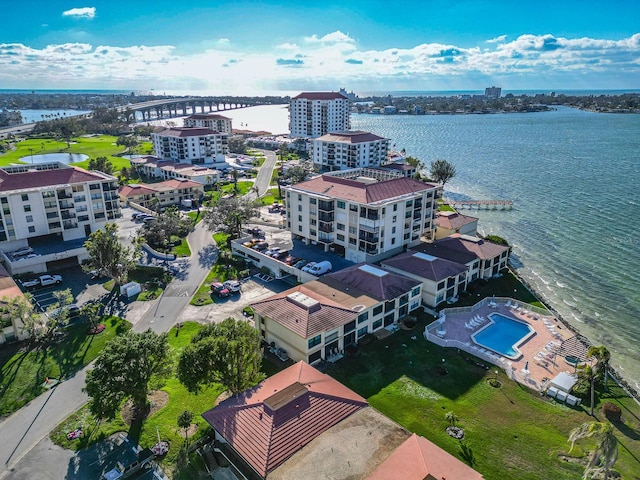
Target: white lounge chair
[(508, 304)]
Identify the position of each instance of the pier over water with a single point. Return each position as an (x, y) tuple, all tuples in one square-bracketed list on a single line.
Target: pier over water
[(480, 204)]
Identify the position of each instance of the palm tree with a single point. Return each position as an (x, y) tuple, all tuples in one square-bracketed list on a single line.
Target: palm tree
[(588, 374), (602, 356), (604, 456)]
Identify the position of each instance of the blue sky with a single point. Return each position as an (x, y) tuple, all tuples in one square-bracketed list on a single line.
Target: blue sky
[(248, 47)]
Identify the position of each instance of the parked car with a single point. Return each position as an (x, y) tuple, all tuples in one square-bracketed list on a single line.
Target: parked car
[(308, 266), (281, 255), (260, 246), (320, 268), (22, 251), (42, 281), (300, 263), (269, 252), (233, 286), (219, 289), (72, 309), (25, 257), (291, 260), (258, 232)]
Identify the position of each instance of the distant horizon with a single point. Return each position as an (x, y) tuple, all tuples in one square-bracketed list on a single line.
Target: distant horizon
[(380, 93), (241, 47)]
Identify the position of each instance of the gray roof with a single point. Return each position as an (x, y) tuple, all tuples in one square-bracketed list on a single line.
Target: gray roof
[(416, 263), (374, 281)]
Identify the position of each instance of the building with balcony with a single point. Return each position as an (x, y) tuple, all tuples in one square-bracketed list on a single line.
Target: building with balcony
[(313, 114), (212, 121), (301, 423), (346, 150), (492, 93), (194, 145), (441, 279), (52, 202), (320, 319), (367, 214), (162, 194), (156, 168), (482, 258), (11, 326)]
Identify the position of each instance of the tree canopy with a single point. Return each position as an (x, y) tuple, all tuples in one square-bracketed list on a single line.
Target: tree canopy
[(228, 352), (101, 164), (163, 227), (237, 145), (107, 255), (229, 214), (442, 171), (123, 370), (604, 456)]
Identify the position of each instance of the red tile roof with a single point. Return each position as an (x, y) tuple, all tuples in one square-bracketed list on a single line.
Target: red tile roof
[(419, 459), (272, 421), (46, 178), (131, 190), (361, 192), (355, 136), (320, 96), (435, 270), (145, 188), (187, 132), (322, 313)]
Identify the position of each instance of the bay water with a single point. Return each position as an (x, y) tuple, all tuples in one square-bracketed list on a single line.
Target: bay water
[(574, 178)]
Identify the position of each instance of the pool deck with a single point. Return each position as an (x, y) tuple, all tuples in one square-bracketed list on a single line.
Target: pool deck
[(539, 349)]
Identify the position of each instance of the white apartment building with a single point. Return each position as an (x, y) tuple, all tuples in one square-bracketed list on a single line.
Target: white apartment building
[(212, 121), (313, 114), (194, 145), (366, 214), (351, 149), (48, 203)]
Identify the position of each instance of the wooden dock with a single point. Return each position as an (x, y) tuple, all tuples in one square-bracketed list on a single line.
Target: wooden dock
[(480, 204)]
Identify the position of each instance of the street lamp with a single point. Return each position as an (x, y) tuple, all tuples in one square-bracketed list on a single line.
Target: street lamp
[(31, 150)]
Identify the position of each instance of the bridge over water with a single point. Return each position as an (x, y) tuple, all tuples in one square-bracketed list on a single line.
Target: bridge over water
[(175, 107)]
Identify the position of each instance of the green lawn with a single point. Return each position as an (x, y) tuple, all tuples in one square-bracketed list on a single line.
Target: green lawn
[(509, 428), (164, 421), (271, 197), (23, 371), (183, 249), (95, 146), (195, 216)]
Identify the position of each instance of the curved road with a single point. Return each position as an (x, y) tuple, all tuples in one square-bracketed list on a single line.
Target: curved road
[(25, 428), (263, 179)]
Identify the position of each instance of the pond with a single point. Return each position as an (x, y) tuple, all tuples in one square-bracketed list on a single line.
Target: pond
[(55, 157)]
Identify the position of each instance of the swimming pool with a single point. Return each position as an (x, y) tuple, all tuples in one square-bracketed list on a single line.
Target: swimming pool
[(503, 335)]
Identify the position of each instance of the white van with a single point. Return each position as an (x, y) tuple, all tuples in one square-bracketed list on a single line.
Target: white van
[(320, 268)]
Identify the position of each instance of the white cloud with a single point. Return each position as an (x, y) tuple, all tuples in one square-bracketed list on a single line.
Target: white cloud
[(84, 12), (498, 39), (332, 59)]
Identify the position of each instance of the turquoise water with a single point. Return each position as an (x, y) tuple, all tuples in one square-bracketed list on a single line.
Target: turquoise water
[(503, 335), (574, 178)]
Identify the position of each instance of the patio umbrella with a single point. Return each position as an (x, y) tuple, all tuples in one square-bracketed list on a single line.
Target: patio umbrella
[(525, 370)]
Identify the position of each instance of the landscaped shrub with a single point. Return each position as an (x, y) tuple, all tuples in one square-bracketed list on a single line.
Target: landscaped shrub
[(611, 411)]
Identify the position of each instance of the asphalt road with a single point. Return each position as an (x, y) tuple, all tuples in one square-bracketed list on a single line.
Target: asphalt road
[(263, 179), (24, 429)]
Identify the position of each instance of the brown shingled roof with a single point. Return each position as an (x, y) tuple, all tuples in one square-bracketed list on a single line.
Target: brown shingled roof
[(46, 178), (353, 136), (385, 287), (452, 220), (360, 192), (305, 322), (435, 270), (320, 96), (272, 421), (419, 459)]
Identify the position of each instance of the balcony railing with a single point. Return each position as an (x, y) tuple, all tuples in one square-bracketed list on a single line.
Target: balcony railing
[(63, 195), (66, 205), (325, 217)]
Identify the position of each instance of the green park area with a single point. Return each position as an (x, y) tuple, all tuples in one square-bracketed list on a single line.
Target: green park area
[(25, 367), (507, 428), (93, 146)]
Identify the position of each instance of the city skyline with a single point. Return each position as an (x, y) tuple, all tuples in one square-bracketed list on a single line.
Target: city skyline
[(283, 47)]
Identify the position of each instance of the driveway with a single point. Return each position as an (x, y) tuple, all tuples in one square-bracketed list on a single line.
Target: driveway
[(263, 179)]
